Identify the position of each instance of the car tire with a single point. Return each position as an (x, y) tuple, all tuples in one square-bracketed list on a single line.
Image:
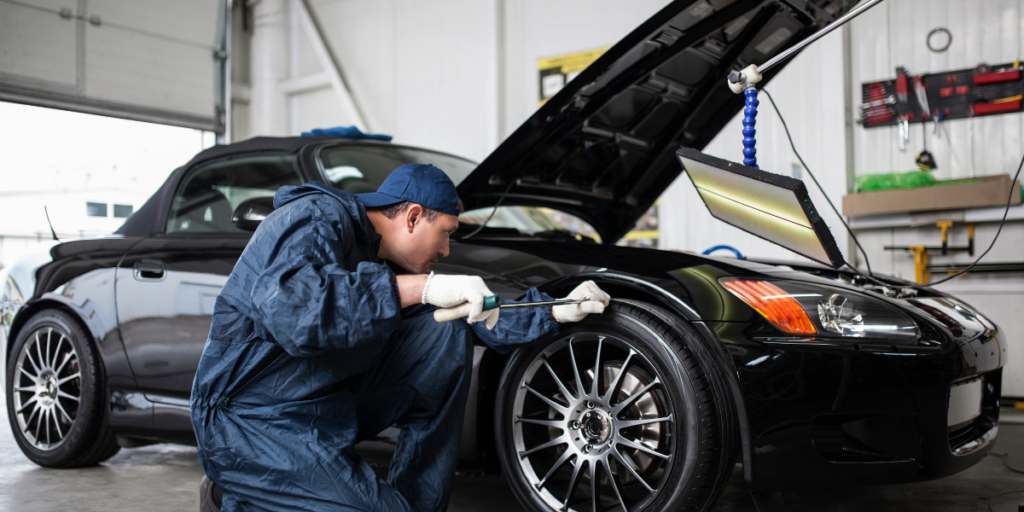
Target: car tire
[(55, 394), (659, 436)]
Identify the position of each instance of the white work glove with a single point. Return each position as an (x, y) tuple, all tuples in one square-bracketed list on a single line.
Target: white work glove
[(447, 291), (596, 300)]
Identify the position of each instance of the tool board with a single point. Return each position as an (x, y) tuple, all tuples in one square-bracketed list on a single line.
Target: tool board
[(959, 94)]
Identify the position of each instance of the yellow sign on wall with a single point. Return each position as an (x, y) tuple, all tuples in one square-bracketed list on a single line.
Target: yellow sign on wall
[(555, 72)]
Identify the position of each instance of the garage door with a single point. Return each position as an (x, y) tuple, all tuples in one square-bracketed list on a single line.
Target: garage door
[(149, 60)]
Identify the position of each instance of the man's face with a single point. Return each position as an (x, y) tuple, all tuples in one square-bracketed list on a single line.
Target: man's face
[(418, 243)]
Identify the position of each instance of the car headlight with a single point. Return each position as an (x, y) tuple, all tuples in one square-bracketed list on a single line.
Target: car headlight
[(822, 311)]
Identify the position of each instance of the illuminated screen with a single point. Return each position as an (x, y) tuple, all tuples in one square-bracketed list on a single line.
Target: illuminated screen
[(776, 208)]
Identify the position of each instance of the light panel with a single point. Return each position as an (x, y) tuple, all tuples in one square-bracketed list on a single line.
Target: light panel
[(773, 207)]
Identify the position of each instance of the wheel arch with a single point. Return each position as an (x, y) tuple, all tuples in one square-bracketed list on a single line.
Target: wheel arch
[(628, 287), (30, 309)]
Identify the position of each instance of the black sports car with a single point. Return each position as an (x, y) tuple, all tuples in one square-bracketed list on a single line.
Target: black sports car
[(807, 375)]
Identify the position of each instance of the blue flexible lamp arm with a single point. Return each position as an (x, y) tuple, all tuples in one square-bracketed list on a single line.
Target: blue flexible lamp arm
[(749, 130)]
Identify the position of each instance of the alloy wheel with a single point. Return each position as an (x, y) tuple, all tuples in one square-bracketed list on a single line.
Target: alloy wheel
[(592, 425), (47, 388)]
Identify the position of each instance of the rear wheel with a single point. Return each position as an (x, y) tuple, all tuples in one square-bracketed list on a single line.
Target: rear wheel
[(619, 413), (54, 394)]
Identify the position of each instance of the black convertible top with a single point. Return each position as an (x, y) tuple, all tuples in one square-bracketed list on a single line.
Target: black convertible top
[(148, 221)]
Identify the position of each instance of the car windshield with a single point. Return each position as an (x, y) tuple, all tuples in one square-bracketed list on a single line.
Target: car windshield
[(362, 168), (531, 220)]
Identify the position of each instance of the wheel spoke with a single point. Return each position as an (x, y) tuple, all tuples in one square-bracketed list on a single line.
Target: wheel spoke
[(634, 397), (28, 355), (561, 386), (26, 404), (613, 387), (573, 482), (627, 462), (67, 357), (547, 423), (641, 447), (46, 414), (615, 482), (69, 377), (28, 422), (595, 493), (576, 371), (47, 362), (39, 349), (56, 425), (25, 388), (554, 405), (39, 424), (27, 374), (62, 411), (554, 442), (56, 352), (65, 395), (643, 421), (558, 464), (597, 368)]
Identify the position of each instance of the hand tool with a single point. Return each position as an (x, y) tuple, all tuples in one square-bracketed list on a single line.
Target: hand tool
[(494, 301)]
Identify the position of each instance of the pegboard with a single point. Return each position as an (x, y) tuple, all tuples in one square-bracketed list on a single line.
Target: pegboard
[(984, 90)]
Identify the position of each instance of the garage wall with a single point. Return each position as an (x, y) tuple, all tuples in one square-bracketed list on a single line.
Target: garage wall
[(991, 31)]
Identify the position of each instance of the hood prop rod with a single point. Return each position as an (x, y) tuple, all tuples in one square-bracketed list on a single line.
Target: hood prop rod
[(745, 81)]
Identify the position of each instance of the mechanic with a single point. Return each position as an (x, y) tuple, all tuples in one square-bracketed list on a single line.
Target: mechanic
[(323, 336)]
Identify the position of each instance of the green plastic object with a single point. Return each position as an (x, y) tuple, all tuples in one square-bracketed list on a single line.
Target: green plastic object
[(492, 302), (894, 181)]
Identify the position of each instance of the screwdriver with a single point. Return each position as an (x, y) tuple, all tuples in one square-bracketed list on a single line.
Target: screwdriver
[(494, 301)]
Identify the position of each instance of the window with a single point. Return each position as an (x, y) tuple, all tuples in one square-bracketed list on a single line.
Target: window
[(122, 211), (531, 220), (358, 169), (208, 195), (96, 209)]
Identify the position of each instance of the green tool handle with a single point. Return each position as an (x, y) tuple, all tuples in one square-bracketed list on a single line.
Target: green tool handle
[(462, 310)]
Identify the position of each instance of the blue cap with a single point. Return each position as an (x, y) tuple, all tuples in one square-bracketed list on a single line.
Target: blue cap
[(423, 184)]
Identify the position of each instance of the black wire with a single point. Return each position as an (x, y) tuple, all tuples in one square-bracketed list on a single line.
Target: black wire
[(1013, 185), (811, 174), (493, 211), (870, 274)]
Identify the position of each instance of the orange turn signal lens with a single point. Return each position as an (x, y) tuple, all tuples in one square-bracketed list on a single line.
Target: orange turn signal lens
[(773, 303)]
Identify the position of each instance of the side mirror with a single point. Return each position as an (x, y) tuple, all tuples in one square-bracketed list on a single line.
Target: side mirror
[(251, 212)]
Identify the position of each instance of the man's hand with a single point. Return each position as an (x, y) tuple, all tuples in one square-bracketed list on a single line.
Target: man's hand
[(447, 291), (595, 302)]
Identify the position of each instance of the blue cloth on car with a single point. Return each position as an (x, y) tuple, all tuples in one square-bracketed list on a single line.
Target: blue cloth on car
[(346, 132), (310, 353)]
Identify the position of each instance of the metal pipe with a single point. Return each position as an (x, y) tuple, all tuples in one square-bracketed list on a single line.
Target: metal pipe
[(763, 68)]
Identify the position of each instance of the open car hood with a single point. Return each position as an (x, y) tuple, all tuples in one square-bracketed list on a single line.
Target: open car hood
[(603, 147)]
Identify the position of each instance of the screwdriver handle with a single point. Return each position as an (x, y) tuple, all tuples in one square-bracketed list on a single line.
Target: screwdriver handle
[(462, 310)]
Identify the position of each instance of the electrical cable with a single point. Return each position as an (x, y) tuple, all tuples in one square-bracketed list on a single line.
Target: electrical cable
[(811, 174), (870, 275), (493, 211), (1006, 463), (993, 498)]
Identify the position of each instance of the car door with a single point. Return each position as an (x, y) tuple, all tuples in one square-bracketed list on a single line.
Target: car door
[(167, 284)]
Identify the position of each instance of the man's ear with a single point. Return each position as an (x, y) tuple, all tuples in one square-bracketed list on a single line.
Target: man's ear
[(413, 216)]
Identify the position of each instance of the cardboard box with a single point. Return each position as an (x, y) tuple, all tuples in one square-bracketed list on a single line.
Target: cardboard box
[(992, 192)]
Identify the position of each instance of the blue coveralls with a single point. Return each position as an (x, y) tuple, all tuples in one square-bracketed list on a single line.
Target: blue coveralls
[(310, 352)]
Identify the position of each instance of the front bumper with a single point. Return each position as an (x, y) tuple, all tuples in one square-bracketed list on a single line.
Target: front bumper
[(834, 414)]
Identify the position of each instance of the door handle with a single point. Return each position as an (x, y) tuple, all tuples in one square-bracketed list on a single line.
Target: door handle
[(149, 270)]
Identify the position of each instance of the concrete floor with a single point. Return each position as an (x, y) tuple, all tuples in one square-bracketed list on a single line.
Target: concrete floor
[(163, 478)]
